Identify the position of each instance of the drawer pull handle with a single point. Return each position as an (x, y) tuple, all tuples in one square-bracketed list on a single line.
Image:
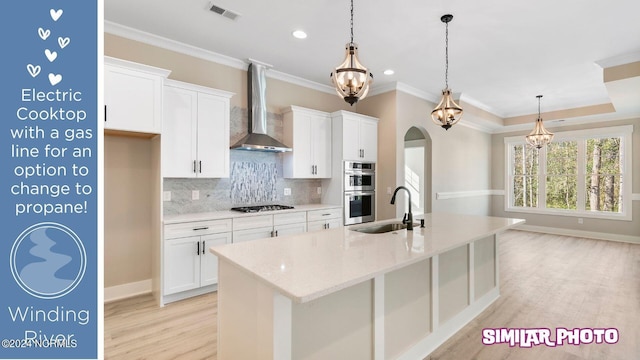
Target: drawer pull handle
[(201, 228), (326, 214)]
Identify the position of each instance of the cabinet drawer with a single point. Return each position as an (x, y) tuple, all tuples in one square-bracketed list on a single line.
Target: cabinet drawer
[(252, 222), (195, 228), (316, 215), (252, 234), (290, 218)]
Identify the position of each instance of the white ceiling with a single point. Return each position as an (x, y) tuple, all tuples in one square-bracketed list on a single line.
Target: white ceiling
[(501, 53)]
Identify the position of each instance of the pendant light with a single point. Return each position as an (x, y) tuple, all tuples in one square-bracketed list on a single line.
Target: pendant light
[(539, 137), (350, 78), (447, 113)]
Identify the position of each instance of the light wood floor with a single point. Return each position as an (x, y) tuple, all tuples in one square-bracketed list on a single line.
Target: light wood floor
[(546, 281)]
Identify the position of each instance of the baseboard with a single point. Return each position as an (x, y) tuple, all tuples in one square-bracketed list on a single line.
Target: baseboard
[(124, 291), (580, 233)]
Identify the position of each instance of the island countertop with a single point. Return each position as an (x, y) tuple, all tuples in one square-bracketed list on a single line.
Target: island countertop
[(308, 266)]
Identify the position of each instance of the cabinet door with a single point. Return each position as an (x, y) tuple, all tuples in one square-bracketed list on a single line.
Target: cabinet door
[(133, 100), (351, 138), (316, 225), (179, 131), (290, 229), (334, 223), (208, 261), (213, 136), (301, 156), (181, 264), (320, 139), (252, 234), (369, 139)]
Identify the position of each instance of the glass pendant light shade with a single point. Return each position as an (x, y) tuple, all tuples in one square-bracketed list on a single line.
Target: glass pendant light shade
[(540, 136), (448, 112), (350, 78)]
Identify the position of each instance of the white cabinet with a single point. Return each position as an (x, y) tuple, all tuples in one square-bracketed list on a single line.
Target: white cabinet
[(195, 131), (357, 134), (188, 264), (266, 226), (324, 219), (308, 132), (132, 96)]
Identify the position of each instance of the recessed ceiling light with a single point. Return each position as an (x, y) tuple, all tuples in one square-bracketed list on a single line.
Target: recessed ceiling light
[(388, 72), (299, 34)]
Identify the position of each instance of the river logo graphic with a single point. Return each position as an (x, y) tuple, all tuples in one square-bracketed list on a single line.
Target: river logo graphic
[(48, 260)]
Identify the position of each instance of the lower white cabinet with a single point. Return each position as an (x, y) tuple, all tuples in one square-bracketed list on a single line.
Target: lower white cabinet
[(265, 226), (324, 219), (188, 264)]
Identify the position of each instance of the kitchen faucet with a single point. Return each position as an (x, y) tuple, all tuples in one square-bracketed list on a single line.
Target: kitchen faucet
[(408, 217)]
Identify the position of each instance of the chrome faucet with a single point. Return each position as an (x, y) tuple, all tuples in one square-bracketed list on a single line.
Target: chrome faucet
[(408, 217)]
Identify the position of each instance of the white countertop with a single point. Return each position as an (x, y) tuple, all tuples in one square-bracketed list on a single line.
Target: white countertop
[(307, 266), (228, 214)]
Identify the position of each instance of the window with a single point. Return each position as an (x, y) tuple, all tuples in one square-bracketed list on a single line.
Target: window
[(581, 173)]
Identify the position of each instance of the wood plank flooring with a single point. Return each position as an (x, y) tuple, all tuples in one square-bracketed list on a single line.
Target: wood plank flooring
[(546, 281)]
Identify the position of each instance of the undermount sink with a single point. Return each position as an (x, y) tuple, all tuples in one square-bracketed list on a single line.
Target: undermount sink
[(383, 228)]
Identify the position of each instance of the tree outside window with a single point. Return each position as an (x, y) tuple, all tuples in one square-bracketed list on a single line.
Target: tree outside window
[(580, 173)]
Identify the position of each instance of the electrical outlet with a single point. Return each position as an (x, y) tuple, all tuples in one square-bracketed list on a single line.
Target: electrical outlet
[(319, 189), (580, 221), (287, 191), (166, 196), (195, 195)]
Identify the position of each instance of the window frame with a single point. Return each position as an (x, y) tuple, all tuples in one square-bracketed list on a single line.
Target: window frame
[(581, 136)]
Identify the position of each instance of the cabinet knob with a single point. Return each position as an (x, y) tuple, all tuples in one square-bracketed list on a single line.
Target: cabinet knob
[(200, 164), (194, 166), (198, 250)]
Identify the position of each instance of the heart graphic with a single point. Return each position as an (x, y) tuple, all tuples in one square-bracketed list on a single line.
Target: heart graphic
[(51, 55), (33, 70), (63, 42), (44, 34), (55, 14), (54, 79)]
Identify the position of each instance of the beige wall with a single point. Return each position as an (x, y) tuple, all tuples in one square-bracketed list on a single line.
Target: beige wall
[(127, 213), (630, 228), (460, 157)]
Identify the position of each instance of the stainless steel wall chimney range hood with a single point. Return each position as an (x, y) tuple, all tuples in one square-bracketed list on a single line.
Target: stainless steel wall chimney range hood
[(257, 139)]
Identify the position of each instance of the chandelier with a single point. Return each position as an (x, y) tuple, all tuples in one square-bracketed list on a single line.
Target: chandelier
[(351, 79), (539, 137), (447, 113)]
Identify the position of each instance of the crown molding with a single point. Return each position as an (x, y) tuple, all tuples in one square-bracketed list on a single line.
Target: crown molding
[(477, 104), (619, 60), (407, 89), (162, 42), (553, 125)]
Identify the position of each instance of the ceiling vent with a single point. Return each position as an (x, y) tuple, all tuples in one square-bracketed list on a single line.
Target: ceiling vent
[(223, 12)]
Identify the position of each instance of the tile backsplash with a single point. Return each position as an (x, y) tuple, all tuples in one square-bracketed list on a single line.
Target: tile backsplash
[(255, 178)]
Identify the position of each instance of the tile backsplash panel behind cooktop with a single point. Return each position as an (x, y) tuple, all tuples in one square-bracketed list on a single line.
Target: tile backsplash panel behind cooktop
[(255, 179)]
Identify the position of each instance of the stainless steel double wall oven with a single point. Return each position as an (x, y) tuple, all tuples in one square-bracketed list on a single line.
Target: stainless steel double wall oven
[(359, 192)]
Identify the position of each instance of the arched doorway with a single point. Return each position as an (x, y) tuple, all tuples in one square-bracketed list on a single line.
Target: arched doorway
[(417, 169)]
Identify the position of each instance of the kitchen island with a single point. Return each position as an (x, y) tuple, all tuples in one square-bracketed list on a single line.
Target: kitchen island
[(345, 294)]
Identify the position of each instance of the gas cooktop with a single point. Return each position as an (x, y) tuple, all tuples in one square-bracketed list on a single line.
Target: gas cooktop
[(259, 208)]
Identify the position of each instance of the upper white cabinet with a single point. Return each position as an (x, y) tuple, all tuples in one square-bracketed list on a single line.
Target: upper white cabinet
[(133, 96), (308, 132), (358, 134), (195, 131)]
